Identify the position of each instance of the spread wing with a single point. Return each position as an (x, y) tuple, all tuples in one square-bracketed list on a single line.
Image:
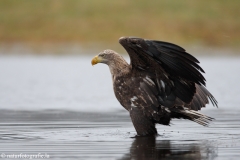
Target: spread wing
[(175, 73)]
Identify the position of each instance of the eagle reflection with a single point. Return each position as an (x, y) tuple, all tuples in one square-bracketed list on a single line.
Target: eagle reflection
[(149, 148)]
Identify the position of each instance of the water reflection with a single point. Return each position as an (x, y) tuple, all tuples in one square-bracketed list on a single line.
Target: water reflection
[(150, 148)]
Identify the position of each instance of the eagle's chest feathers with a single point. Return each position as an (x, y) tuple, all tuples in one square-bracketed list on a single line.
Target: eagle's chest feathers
[(134, 92), (122, 89)]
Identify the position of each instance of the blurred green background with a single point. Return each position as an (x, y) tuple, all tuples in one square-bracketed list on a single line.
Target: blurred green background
[(99, 23)]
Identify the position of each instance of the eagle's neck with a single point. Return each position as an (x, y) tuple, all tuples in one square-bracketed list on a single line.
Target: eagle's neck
[(119, 67)]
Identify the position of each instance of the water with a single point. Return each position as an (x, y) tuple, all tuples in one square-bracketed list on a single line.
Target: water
[(63, 108)]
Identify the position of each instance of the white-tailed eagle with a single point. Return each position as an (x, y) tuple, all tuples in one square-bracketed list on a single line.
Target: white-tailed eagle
[(161, 82)]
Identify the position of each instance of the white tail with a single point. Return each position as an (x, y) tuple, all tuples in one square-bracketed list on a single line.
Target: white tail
[(196, 116)]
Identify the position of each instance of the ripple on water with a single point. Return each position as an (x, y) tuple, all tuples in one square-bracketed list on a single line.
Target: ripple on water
[(110, 138)]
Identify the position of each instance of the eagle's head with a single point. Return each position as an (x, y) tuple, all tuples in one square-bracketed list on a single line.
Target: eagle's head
[(108, 57), (115, 61)]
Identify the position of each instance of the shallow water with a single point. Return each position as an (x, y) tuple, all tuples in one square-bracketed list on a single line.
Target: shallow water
[(62, 107)]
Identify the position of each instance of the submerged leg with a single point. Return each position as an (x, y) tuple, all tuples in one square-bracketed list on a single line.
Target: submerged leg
[(143, 125)]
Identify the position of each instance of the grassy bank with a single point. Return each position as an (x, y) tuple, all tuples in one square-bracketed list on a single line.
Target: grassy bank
[(211, 23)]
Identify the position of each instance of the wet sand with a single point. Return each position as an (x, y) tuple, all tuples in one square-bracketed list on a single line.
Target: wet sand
[(50, 106)]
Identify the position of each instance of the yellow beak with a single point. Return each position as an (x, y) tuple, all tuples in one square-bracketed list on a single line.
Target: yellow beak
[(96, 60)]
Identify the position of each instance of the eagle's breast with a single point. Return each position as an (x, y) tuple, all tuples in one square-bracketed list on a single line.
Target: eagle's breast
[(123, 87), (134, 92)]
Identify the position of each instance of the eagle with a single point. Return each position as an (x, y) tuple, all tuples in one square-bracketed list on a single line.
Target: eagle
[(161, 82)]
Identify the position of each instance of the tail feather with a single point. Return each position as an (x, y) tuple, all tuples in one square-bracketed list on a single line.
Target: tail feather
[(194, 116)]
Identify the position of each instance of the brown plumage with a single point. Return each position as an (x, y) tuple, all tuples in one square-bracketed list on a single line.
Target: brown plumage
[(161, 82)]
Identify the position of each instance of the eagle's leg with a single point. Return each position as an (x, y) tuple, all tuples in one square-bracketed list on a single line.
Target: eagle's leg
[(143, 125)]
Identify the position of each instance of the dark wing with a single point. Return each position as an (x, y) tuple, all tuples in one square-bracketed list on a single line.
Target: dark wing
[(200, 98), (176, 73)]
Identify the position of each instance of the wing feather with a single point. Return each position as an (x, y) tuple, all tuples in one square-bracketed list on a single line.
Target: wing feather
[(177, 62), (176, 73)]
